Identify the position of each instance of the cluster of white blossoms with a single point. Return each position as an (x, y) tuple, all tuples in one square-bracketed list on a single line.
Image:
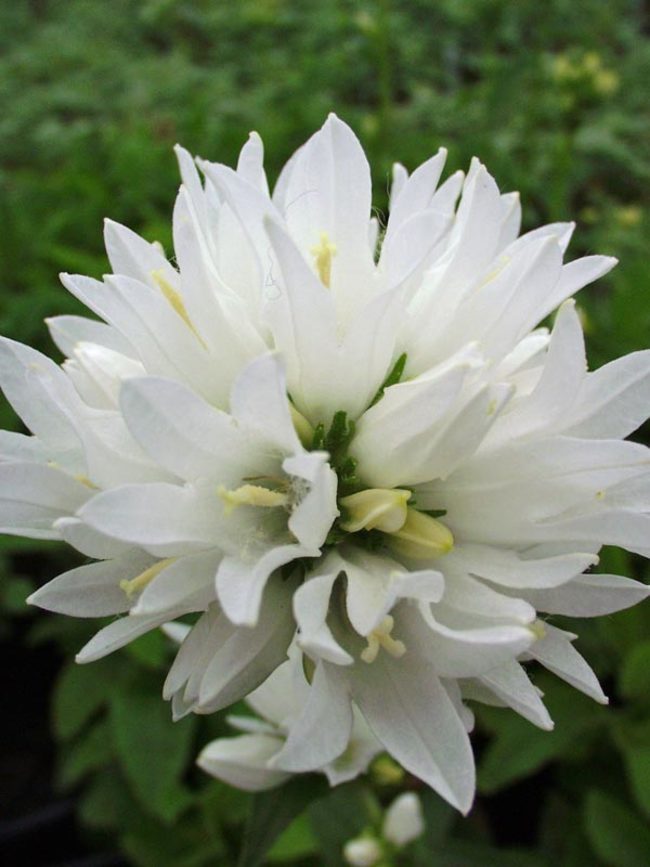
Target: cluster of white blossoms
[(342, 444)]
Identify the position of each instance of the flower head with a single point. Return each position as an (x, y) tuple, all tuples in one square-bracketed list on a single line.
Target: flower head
[(368, 450)]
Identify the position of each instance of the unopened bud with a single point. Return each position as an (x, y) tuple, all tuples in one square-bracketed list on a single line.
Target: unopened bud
[(422, 537), (403, 821), (362, 852), (375, 509)]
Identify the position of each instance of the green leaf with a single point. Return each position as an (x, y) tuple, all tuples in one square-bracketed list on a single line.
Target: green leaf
[(13, 594), (633, 740), (340, 816), (92, 751), (297, 841), (151, 650), (616, 835), (153, 751), (519, 748), (80, 692), (634, 678), (272, 812)]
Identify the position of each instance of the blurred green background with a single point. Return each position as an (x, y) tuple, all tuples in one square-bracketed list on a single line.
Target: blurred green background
[(93, 94)]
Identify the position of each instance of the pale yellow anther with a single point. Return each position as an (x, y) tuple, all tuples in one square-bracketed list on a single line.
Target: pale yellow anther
[(251, 495), (86, 481), (302, 427), (375, 509), (381, 638), (135, 585), (538, 629), (174, 298), (422, 537), (323, 253)]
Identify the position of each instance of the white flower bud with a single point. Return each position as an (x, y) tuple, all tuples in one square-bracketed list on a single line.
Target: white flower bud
[(403, 821), (362, 852)]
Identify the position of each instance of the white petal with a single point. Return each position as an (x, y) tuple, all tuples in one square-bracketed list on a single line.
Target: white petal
[(34, 496), (614, 399), (250, 164), (68, 331), (556, 653), (132, 256), (249, 656), (413, 193), (463, 650), (243, 762), (25, 391), (165, 519), (573, 277), (321, 731), (311, 606), (89, 541), (186, 583), (510, 569), (312, 519), (375, 583), (329, 191), (258, 401), (510, 684), (186, 435), (241, 580), (93, 590), (119, 633), (590, 595), (556, 392), (410, 712)]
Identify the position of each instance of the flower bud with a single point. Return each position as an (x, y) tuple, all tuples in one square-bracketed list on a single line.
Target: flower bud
[(403, 821), (362, 852), (422, 537), (375, 509)]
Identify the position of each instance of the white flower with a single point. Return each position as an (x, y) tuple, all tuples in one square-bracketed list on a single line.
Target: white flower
[(253, 760), (435, 470)]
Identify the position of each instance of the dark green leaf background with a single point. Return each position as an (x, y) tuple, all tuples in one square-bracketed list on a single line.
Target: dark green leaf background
[(553, 97)]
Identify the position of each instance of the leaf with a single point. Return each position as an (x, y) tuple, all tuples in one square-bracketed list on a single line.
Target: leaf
[(519, 748), (616, 835), (91, 752), (150, 650), (634, 677), (153, 751), (79, 693), (297, 841), (272, 812), (340, 816), (633, 740)]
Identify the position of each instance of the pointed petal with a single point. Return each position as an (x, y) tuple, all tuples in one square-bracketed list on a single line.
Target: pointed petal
[(322, 730), (93, 590), (410, 712)]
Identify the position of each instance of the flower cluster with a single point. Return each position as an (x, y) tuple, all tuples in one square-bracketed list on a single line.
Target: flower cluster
[(347, 451)]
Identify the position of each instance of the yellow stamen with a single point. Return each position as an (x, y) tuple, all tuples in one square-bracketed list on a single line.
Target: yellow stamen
[(304, 430), (422, 537), (381, 637), (375, 509), (174, 298), (538, 629), (135, 585), (86, 481), (251, 495), (323, 253)]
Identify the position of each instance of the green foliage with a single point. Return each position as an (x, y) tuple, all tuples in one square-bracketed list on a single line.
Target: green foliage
[(553, 98)]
